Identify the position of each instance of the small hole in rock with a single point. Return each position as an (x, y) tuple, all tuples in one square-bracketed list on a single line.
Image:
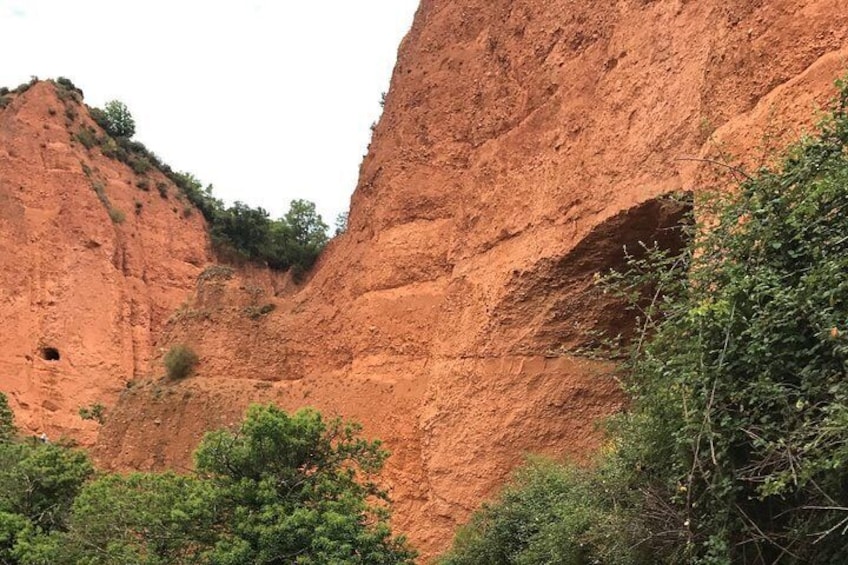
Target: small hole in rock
[(50, 353)]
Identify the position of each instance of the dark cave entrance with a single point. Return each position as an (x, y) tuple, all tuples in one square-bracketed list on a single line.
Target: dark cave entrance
[(50, 354)]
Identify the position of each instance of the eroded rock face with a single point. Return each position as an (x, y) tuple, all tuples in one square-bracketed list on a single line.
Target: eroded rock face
[(82, 298), (523, 142)]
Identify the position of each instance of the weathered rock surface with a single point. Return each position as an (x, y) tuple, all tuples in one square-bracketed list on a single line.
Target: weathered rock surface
[(73, 283), (523, 143)]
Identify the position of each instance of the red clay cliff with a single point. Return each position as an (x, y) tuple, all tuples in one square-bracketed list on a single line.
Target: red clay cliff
[(523, 143)]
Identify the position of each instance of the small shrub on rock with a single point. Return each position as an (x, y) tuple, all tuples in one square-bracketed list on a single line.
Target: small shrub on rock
[(180, 361), (117, 216)]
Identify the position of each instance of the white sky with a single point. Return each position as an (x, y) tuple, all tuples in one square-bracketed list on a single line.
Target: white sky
[(268, 100)]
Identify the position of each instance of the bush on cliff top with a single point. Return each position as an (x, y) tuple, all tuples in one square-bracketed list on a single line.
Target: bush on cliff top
[(292, 242), (734, 447)]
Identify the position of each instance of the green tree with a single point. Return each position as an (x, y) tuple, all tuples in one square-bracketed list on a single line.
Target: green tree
[(307, 227), (212, 208), (297, 489), (297, 239), (280, 489), (38, 484), (243, 229), (118, 120), (341, 223), (7, 421), (145, 519)]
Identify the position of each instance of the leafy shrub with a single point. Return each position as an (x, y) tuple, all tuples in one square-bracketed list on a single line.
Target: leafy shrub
[(139, 165), (143, 184), (96, 412), (112, 150), (67, 91), (117, 216), (23, 87), (116, 119), (86, 137), (548, 514), (180, 362), (66, 84), (7, 420)]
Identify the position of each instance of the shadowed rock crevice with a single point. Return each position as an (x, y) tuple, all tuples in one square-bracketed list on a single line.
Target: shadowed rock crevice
[(559, 293)]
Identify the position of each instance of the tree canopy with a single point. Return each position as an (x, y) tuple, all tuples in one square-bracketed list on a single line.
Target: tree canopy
[(116, 119), (293, 241), (279, 489)]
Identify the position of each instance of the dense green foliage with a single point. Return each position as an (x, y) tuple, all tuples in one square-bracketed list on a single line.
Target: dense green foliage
[(281, 489), (7, 421), (735, 446), (150, 519), (293, 241), (546, 515), (310, 479), (38, 484)]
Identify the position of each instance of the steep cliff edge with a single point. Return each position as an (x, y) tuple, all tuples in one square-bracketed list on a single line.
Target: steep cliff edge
[(522, 144), (82, 297)]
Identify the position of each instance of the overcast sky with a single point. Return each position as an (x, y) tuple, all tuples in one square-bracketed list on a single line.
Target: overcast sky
[(269, 100)]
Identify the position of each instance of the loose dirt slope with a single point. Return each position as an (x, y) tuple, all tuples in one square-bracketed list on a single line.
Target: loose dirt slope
[(523, 143)]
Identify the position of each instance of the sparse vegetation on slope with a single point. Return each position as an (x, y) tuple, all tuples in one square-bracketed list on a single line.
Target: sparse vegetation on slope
[(292, 242), (734, 447)]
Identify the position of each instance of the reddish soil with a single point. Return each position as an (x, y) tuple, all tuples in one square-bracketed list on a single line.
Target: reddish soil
[(523, 142)]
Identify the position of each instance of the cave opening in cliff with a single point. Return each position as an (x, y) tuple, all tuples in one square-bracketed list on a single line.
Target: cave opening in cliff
[(50, 354)]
